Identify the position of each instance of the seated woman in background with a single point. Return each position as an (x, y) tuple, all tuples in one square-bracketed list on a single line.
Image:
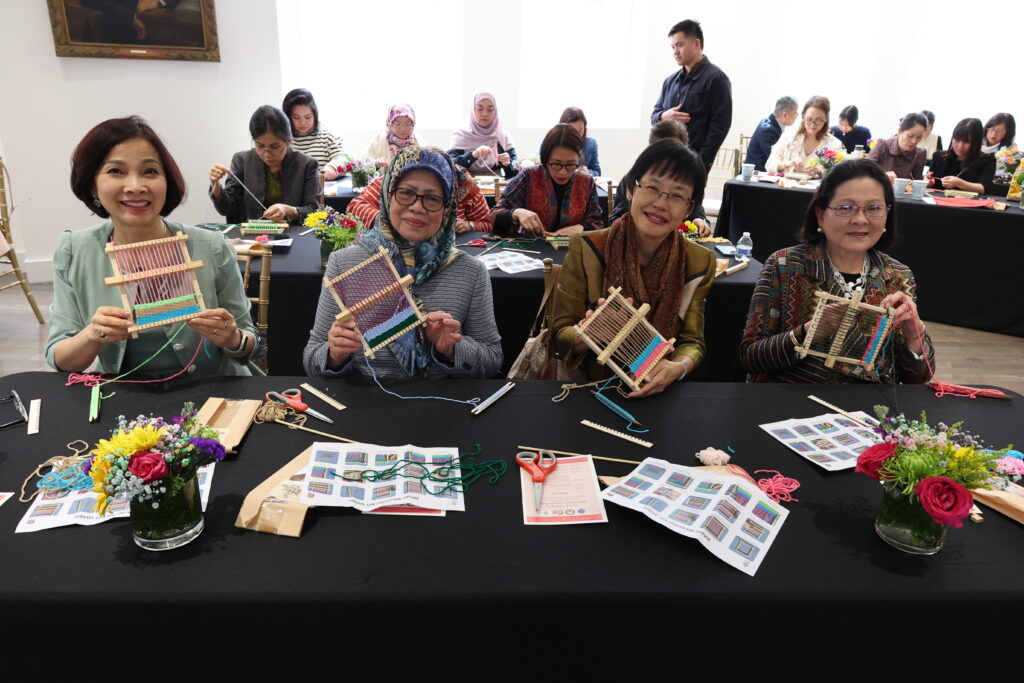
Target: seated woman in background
[(473, 214), (399, 134), (931, 143), (848, 132), (552, 197), (417, 227), (963, 166), (122, 172), (999, 132), (575, 117), (848, 223), (668, 129), (285, 182), (308, 136), (899, 156), (483, 146), (795, 149), (644, 254)]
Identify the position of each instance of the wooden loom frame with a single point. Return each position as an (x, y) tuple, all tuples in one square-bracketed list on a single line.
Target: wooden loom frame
[(853, 306), (262, 227), (636, 319), (120, 279), (558, 241), (400, 284)]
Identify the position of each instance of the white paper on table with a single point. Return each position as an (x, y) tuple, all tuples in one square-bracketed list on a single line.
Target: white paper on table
[(64, 508), (332, 477), (571, 494), (830, 441), (4, 497), (727, 249), (928, 199), (286, 242), (407, 511), (511, 262), (729, 516)]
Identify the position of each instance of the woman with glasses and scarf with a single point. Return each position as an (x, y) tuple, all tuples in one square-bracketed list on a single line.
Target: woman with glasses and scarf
[(282, 182), (416, 226), (796, 149), (553, 197), (645, 255), (849, 221), (398, 134)]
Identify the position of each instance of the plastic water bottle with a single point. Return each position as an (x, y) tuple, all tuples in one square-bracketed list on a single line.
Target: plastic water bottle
[(744, 247)]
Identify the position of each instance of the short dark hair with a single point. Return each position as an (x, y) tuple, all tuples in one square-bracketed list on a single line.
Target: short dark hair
[(689, 28), (669, 129), (913, 119), (784, 104), (562, 135), (850, 114), (1007, 120), (269, 119), (967, 130), (850, 170), (930, 115), (572, 115), (298, 97), (89, 155), (674, 160)]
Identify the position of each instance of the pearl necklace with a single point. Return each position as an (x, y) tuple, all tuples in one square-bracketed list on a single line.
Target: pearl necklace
[(848, 288)]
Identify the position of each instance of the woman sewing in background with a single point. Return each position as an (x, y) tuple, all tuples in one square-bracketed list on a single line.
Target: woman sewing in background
[(483, 146), (472, 215), (416, 226), (644, 254), (848, 132), (575, 117), (899, 156), (848, 223), (308, 136), (123, 173), (795, 149), (399, 134), (963, 166), (553, 197), (285, 182)]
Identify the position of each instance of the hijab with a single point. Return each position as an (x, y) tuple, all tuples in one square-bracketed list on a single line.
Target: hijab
[(396, 143), (475, 135)]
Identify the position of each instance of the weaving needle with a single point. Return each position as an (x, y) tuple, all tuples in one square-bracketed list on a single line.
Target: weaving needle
[(247, 190)]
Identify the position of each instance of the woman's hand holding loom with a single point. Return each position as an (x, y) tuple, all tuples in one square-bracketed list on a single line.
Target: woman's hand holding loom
[(444, 332), (217, 325), (663, 375), (109, 324), (342, 341), (904, 317)]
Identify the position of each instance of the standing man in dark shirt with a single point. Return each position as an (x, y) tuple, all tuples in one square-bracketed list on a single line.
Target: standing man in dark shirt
[(769, 131), (699, 94)]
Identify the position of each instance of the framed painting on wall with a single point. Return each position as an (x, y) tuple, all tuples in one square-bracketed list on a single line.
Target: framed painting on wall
[(135, 29)]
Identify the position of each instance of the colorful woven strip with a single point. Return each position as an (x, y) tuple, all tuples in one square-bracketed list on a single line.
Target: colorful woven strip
[(166, 315), (388, 329)]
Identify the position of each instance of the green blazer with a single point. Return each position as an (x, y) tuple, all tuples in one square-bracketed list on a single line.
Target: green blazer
[(581, 284), (80, 265)]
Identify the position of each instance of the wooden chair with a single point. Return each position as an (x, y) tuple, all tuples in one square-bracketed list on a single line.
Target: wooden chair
[(261, 300), (722, 170), (611, 198), (744, 144), (11, 258)]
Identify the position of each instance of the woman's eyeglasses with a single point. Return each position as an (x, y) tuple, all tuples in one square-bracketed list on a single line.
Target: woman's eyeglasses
[(555, 166), (814, 122), (652, 192), (431, 202), (873, 212)]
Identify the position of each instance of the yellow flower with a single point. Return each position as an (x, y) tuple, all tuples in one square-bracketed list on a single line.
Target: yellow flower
[(101, 503), (314, 219), (138, 439)]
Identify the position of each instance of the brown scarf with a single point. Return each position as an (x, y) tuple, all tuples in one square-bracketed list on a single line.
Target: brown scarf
[(660, 284)]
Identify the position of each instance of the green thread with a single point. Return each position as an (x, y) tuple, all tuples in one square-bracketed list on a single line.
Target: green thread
[(471, 471), (387, 334), (155, 354), (166, 302)]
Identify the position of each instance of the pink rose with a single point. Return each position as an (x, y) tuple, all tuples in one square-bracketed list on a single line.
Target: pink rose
[(871, 460), (148, 466), (945, 501)]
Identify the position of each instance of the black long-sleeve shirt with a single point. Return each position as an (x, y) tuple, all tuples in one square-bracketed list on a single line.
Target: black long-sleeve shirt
[(705, 93)]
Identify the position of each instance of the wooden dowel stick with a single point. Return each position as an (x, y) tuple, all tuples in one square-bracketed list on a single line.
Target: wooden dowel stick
[(595, 457), (841, 411)]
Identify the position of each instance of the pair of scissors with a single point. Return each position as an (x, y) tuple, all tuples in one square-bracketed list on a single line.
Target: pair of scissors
[(538, 465), (474, 243), (293, 399)]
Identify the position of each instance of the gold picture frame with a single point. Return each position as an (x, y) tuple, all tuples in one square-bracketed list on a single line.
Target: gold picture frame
[(135, 29)]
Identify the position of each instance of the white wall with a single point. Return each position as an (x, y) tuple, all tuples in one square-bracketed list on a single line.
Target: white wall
[(903, 58)]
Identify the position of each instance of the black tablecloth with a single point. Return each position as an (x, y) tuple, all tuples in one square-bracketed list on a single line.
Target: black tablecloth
[(297, 279), (356, 590), (956, 254)]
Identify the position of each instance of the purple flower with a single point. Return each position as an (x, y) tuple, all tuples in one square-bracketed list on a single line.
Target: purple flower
[(209, 447)]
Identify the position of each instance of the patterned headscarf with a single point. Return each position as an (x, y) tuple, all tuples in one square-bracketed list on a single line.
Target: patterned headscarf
[(396, 143), (422, 259)]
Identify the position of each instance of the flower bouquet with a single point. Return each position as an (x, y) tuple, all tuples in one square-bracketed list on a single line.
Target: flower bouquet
[(1007, 162), (154, 463), (825, 159), (927, 473), (689, 230), (334, 230), (362, 170)]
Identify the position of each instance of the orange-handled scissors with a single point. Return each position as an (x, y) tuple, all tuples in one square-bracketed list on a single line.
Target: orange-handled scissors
[(538, 466), (293, 399)]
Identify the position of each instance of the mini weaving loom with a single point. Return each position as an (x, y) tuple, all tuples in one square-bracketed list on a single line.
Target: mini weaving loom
[(859, 338), (157, 281), (262, 227), (623, 339), (375, 295), (558, 241)]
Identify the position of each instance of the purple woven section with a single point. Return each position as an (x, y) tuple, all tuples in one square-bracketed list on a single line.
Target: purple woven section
[(372, 278)]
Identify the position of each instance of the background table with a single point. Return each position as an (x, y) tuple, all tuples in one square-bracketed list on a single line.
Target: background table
[(296, 282), (464, 592), (964, 260)]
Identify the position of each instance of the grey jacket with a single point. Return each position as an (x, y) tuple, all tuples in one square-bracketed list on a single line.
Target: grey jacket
[(301, 185)]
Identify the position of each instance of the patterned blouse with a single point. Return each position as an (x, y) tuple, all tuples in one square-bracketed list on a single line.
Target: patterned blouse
[(784, 299), (472, 207)]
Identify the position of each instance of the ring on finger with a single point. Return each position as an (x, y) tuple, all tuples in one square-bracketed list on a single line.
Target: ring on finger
[(100, 333), (225, 325)]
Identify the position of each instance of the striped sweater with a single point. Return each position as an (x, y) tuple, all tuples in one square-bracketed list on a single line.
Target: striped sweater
[(473, 207), (784, 299), (324, 146), (462, 289)]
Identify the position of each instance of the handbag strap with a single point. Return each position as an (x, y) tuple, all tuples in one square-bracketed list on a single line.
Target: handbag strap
[(538, 319)]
